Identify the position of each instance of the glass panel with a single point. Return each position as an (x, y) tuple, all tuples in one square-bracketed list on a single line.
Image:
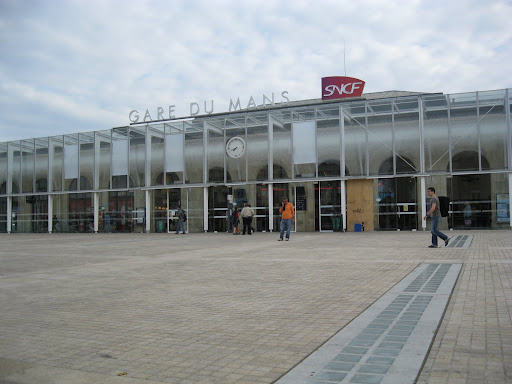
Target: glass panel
[(71, 162), (27, 166), (257, 145), (236, 159), (120, 157), (156, 154), (500, 202), (261, 208), (177, 199), (80, 212), (216, 150), (120, 207), (493, 130), (304, 143), (407, 136), (14, 166), (253, 196), (328, 141), (3, 214), (355, 138), (395, 205), (331, 218), (380, 136), (282, 144), (174, 153), (40, 214), (464, 131), (61, 213), (3, 169), (31, 214), (41, 164), (194, 151), (218, 219), (86, 157), (135, 218), (137, 156), (103, 141), (195, 214), (158, 211), (56, 162), (436, 132), (471, 198)]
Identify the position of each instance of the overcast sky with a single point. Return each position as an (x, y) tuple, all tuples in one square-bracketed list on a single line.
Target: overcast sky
[(77, 66)]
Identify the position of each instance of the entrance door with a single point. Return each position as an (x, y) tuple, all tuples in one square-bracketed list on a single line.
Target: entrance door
[(280, 191), (177, 198), (218, 209), (397, 205), (471, 201), (328, 213)]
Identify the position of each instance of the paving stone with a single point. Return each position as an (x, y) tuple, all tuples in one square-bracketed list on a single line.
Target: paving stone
[(187, 304)]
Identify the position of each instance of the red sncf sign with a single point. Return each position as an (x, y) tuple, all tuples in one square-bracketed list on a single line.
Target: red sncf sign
[(338, 87)]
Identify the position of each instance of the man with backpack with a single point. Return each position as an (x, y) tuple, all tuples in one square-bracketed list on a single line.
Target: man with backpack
[(436, 218), (182, 218)]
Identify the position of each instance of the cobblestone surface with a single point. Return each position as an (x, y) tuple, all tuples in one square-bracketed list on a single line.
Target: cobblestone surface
[(217, 308)]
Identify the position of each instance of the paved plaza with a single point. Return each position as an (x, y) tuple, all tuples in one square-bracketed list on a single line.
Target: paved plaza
[(218, 308)]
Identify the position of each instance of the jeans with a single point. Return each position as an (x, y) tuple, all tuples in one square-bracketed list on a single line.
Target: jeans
[(436, 232), (286, 225), (247, 224), (181, 225)]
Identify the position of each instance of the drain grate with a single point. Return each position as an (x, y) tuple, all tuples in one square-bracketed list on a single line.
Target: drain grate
[(388, 342), (460, 241)]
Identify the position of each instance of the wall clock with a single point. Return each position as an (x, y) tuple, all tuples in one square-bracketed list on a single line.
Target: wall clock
[(235, 147)]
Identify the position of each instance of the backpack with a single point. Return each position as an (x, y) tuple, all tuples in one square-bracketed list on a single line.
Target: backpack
[(184, 217), (444, 205)]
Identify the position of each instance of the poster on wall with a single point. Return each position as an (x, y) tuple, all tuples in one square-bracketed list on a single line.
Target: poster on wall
[(502, 208)]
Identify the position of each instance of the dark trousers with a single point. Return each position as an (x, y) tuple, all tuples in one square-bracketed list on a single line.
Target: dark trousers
[(247, 224)]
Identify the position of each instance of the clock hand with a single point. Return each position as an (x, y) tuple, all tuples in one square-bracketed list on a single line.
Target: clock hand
[(234, 149)]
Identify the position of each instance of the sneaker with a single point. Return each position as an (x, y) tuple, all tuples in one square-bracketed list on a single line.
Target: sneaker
[(432, 246), (447, 241), (279, 239), (287, 239)]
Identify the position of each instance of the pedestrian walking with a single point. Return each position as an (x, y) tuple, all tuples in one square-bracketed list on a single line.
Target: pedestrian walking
[(435, 214), (287, 216), (182, 217), (235, 220), (247, 214)]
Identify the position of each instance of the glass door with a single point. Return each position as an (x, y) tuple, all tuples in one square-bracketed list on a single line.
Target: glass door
[(328, 215), (177, 198), (218, 209), (396, 204)]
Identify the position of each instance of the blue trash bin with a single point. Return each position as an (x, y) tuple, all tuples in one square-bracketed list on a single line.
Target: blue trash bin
[(358, 228)]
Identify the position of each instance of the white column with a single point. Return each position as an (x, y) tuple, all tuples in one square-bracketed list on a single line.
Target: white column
[(343, 195), (205, 209), (270, 207), (50, 213), (9, 214), (96, 202), (423, 197), (510, 195), (148, 212)]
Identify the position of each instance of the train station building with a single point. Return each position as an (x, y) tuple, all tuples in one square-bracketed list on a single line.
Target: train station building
[(347, 161)]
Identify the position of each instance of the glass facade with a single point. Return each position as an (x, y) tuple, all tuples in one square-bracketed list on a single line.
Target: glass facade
[(134, 178)]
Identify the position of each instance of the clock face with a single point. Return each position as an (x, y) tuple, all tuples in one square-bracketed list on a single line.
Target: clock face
[(235, 147)]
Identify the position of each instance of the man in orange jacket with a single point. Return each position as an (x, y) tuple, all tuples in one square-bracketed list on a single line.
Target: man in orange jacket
[(287, 215)]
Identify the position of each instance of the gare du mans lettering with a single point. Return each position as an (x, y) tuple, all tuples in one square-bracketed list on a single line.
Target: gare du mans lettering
[(195, 108)]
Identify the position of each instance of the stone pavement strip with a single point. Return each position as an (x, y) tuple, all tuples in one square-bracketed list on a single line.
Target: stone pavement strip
[(217, 308)]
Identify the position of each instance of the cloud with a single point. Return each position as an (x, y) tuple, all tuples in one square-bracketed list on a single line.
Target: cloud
[(77, 66)]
